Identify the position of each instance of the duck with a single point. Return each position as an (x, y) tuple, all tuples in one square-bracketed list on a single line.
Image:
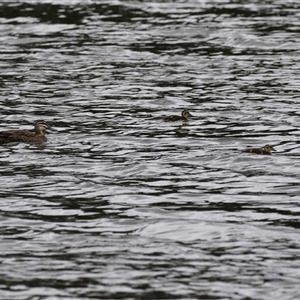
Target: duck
[(25, 136), (185, 114), (265, 150)]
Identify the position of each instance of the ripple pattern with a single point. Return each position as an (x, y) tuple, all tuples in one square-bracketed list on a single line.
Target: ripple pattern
[(121, 205)]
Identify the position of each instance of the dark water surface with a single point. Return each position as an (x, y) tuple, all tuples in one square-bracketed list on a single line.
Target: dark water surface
[(121, 205)]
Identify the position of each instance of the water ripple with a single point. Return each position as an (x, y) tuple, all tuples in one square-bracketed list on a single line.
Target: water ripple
[(118, 203)]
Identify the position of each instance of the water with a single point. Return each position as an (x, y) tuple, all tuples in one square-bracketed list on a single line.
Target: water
[(119, 204)]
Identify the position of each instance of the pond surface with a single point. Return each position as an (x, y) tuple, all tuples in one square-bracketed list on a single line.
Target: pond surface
[(121, 205)]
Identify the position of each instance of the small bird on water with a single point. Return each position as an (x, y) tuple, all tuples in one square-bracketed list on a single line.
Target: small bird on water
[(265, 150), (185, 114), (25, 136)]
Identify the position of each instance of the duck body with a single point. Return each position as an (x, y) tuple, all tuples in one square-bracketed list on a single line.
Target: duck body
[(25, 136), (265, 150), (185, 114)]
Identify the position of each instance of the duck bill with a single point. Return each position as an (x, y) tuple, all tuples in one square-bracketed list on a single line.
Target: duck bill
[(52, 129)]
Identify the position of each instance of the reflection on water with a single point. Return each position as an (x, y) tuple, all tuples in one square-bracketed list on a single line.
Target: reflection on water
[(120, 204)]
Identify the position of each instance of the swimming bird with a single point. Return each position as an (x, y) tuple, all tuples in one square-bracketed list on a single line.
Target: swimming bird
[(185, 114), (25, 136), (266, 150)]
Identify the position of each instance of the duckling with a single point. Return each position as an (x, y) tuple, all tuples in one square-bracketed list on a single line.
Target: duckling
[(26, 136), (185, 114), (266, 150)]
